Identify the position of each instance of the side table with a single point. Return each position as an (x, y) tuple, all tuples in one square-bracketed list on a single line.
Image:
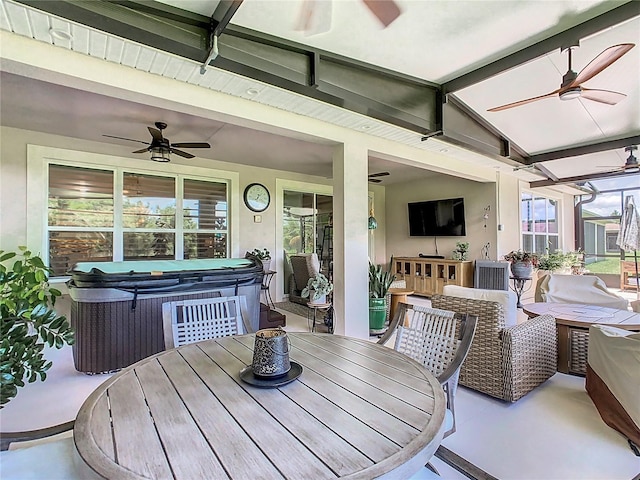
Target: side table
[(313, 314), (265, 287), (518, 287), (398, 295)]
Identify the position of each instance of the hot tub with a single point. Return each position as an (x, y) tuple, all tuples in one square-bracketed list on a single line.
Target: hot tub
[(116, 307)]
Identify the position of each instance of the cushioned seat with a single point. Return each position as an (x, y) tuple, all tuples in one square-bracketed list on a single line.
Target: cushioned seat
[(613, 378), (506, 360), (585, 289)]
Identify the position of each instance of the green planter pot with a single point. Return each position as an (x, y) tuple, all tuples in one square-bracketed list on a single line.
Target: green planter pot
[(377, 313)]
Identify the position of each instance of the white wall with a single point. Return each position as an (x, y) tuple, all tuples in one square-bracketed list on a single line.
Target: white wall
[(476, 196), (14, 216)]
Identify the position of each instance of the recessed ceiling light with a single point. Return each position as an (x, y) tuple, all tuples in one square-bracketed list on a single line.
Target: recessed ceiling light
[(365, 127), (252, 91), (60, 34), (444, 150)]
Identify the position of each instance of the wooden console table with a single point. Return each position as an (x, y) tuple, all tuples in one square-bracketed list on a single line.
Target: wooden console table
[(428, 276)]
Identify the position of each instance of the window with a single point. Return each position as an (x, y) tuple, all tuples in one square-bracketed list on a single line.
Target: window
[(101, 214), (539, 228)]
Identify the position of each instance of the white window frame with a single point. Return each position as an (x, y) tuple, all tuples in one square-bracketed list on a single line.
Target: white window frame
[(559, 222), (40, 157)]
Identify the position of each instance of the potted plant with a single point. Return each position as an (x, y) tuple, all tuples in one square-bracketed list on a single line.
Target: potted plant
[(28, 321), (551, 261), (263, 255), (461, 251), (317, 289), (522, 263), (379, 283)]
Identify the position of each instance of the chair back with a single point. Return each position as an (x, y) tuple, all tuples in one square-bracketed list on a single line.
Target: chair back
[(304, 266), (439, 339), (189, 321)]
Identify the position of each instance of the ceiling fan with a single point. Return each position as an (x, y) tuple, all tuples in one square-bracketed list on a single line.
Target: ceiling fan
[(160, 147), (631, 164), (571, 86), (315, 15), (373, 179)]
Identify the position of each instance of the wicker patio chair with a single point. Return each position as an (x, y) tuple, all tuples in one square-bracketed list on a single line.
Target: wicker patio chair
[(506, 362), (438, 339), (304, 266), (189, 321)]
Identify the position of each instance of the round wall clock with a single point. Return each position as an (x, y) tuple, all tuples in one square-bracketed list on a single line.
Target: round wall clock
[(256, 197)]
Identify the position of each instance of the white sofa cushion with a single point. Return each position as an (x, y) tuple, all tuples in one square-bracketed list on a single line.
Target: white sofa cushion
[(585, 289), (506, 298), (614, 355)]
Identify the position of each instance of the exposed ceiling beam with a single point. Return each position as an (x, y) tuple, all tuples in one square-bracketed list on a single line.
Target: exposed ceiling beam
[(584, 149), (606, 20), (392, 97), (223, 14), (550, 175), (580, 178)]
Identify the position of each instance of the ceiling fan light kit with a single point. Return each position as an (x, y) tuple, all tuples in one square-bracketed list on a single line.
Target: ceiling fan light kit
[(160, 147), (160, 154)]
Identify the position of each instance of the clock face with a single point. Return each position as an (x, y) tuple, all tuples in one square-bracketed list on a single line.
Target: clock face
[(256, 197)]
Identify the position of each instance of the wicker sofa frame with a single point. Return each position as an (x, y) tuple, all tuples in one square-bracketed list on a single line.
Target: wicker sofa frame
[(504, 362)]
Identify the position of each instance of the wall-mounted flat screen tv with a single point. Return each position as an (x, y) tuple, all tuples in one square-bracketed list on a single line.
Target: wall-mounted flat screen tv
[(437, 218)]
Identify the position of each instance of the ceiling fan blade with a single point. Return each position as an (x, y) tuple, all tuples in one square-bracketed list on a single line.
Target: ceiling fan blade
[(181, 153), (380, 174), (522, 102), (602, 96), (314, 17), (375, 180), (602, 61), (142, 150), (385, 10), (155, 133), (191, 145), (122, 138)]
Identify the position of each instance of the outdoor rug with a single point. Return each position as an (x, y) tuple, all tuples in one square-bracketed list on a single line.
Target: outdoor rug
[(304, 312)]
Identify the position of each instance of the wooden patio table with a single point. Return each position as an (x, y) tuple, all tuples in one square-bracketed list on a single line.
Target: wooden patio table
[(572, 327), (358, 410)]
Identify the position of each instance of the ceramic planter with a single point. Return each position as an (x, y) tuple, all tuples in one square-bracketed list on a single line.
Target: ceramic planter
[(377, 313)]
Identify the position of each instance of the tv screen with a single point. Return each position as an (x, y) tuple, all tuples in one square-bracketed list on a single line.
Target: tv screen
[(437, 218)]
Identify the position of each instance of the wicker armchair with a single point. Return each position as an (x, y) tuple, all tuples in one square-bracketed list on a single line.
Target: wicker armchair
[(504, 362), (304, 266)]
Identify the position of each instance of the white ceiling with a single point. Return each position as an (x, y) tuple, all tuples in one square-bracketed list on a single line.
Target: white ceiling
[(432, 40)]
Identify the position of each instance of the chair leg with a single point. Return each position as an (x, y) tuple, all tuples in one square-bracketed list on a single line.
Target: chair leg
[(433, 469)]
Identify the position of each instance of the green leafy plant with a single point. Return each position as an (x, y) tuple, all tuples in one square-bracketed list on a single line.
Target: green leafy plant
[(551, 261), (522, 256), (379, 281), (263, 254), (319, 285), (461, 251), (28, 322)]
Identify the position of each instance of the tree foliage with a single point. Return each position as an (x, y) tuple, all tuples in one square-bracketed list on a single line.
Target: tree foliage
[(28, 322)]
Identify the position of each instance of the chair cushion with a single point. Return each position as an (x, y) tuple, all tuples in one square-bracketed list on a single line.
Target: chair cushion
[(586, 289), (506, 298), (614, 355)]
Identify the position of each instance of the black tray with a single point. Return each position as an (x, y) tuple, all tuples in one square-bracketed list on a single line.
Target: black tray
[(246, 375)]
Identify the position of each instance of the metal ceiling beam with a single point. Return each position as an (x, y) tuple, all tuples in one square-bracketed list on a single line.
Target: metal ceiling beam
[(580, 178), (584, 149), (606, 20), (392, 97)]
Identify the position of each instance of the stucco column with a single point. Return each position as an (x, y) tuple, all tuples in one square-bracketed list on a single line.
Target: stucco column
[(350, 256)]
